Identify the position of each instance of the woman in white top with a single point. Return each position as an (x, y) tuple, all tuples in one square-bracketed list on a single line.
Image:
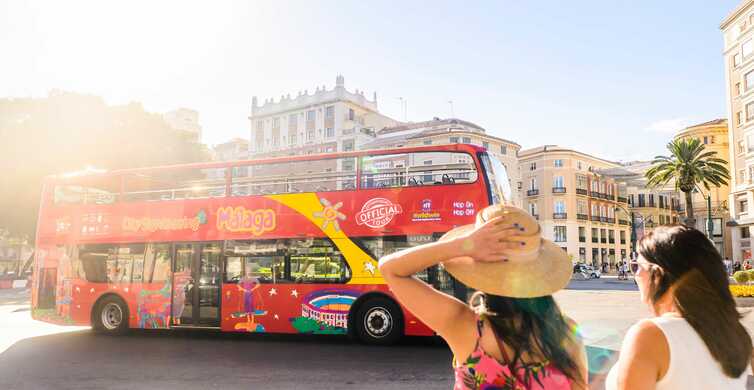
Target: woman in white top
[(696, 339)]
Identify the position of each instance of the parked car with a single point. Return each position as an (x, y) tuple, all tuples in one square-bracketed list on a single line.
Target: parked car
[(586, 271)]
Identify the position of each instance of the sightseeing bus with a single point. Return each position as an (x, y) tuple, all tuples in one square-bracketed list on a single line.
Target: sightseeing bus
[(279, 245)]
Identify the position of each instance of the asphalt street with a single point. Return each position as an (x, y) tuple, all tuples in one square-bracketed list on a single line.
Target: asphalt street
[(35, 355)]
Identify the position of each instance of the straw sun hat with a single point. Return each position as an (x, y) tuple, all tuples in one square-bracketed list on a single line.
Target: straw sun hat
[(537, 269)]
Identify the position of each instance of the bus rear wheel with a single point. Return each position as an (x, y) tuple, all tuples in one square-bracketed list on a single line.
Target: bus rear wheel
[(379, 321), (110, 316)]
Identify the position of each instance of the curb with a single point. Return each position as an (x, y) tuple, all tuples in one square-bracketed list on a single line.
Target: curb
[(744, 302)]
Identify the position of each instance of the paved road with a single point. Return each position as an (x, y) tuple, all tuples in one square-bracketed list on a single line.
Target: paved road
[(35, 355)]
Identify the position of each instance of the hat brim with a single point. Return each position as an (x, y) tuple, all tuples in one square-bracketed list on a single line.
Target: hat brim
[(547, 273)]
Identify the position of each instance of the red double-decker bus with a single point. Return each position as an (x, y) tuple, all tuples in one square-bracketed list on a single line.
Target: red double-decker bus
[(286, 245)]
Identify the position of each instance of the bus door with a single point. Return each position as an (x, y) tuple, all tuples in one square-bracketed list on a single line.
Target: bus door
[(47, 284), (197, 278)]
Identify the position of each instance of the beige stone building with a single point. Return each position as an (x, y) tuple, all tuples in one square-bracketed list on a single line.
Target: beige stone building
[(328, 120), (649, 207), (738, 59), (714, 136), (579, 209), (451, 131)]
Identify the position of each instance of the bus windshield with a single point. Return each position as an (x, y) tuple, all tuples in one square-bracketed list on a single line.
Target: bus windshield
[(497, 176)]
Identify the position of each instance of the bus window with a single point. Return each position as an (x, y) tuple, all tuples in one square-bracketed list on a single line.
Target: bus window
[(316, 260), (497, 177), (88, 190), (174, 184), (157, 263), (417, 169), (97, 260), (131, 261), (329, 174)]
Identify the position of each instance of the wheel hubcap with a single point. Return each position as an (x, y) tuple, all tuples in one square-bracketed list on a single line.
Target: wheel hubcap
[(378, 322), (112, 316)]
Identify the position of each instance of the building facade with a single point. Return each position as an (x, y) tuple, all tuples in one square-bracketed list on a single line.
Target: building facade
[(738, 59), (185, 119), (323, 122), (581, 210), (714, 136), (451, 131)]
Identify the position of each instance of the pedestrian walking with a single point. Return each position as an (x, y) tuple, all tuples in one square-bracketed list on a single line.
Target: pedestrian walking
[(512, 333), (695, 339), (736, 266), (728, 265)]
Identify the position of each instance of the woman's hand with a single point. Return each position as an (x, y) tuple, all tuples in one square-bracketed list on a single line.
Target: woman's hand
[(491, 241)]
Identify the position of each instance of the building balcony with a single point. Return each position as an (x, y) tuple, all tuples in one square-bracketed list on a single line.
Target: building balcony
[(582, 217), (558, 190), (611, 241), (594, 194), (603, 219), (581, 191), (582, 239), (622, 199), (532, 192), (595, 218), (623, 222), (652, 204), (603, 240), (623, 242), (611, 220), (595, 240), (559, 215)]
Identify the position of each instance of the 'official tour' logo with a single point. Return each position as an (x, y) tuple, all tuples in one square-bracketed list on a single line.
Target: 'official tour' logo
[(377, 213)]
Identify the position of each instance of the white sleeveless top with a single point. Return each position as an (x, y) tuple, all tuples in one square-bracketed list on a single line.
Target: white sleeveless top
[(691, 364)]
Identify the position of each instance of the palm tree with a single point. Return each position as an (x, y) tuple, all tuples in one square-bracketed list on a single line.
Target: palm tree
[(688, 166)]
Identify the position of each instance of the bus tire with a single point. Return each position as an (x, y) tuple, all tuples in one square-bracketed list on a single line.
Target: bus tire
[(379, 321), (110, 316)]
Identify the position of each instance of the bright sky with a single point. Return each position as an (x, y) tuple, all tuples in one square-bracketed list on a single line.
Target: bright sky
[(611, 78)]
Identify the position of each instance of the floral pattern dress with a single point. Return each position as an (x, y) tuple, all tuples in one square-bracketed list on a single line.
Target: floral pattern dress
[(481, 371)]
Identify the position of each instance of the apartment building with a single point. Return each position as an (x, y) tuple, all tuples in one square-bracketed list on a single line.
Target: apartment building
[(578, 208), (714, 136), (451, 131), (328, 120), (738, 59)]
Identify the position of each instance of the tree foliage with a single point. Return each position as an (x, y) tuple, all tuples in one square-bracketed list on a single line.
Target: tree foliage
[(688, 166), (67, 132)]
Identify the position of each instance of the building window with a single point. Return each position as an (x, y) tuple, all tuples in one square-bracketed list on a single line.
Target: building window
[(557, 182), (705, 140), (749, 111), (533, 209), (745, 232), (427, 142), (739, 118), (533, 183), (736, 59), (310, 115), (329, 132), (467, 140), (486, 145), (350, 114), (737, 89), (743, 206), (292, 139), (595, 235), (533, 166), (578, 165), (560, 207), (453, 140), (310, 135), (712, 139), (748, 80), (503, 149), (750, 143), (642, 200), (330, 112), (582, 234), (740, 148), (741, 176), (560, 234), (558, 163), (747, 48)]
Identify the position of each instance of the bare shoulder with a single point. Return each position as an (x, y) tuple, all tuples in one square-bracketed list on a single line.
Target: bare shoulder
[(645, 342)]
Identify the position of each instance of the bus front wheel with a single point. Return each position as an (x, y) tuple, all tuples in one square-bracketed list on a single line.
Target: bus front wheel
[(110, 316), (379, 321)]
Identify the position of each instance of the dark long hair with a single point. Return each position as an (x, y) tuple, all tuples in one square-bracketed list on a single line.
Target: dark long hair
[(690, 264), (532, 325)]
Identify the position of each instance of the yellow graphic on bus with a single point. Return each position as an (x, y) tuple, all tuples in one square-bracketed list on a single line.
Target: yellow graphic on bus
[(363, 267)]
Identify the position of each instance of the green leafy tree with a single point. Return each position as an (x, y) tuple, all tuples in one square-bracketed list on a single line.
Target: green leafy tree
[(688, 166), (741, 277), (67, 132)]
